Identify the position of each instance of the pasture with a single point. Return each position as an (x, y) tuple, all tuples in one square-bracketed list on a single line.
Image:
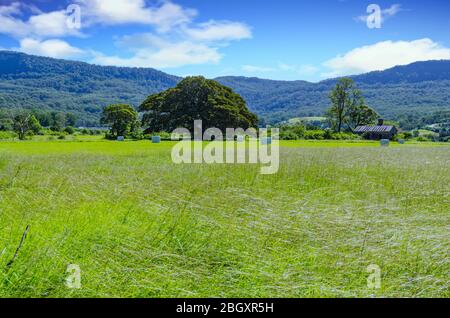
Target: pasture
[(138, 225)]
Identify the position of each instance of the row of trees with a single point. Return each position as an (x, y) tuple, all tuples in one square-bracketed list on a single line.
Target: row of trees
[(193, 98), (218, 106), (26, 122), (198, 98), (57, 121)]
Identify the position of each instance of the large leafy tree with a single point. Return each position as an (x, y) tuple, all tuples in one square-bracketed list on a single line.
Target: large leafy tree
[(196, 98), (348, 108), (359, 115), (121, 118)]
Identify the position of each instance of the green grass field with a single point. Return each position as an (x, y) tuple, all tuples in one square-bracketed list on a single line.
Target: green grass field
[(140, 226)]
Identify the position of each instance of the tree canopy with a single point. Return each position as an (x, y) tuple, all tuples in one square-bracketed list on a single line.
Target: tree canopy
[(122, 119), (348, 109), (24, 123), (196, 98)]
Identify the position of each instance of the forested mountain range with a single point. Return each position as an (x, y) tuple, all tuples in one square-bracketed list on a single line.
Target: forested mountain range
[(420, 88), (50, 84), (28, 81)]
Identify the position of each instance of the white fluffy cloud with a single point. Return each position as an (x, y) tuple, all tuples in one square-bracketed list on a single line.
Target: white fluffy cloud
[(384, 55), (39, 24), (187, 44), (219, 31), (176, 39), (52, 48), (164, 16), (150, 50), (9, 23), (13, 8), (52, 24)]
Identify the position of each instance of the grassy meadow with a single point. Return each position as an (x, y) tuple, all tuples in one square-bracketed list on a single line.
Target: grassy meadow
[(140, 226)]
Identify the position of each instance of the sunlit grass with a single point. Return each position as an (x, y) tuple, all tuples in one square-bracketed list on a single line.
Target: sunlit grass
[(140, 226)]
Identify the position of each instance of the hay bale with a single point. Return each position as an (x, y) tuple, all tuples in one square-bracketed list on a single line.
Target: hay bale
[(384, 142), (401, 141), (120, 138), (156, 139)]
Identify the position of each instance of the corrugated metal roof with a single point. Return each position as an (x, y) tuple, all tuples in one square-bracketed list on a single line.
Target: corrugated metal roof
[(381, 129)]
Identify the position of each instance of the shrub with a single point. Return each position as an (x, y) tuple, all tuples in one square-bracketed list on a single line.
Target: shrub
[(344, 136), (6, 124), (315, 135), (422, 138), (4, 135), (29, 134), (291, 132), (69, 130), (407, 135), (328, 134), (288, 135), (110, 136), (136, 134)]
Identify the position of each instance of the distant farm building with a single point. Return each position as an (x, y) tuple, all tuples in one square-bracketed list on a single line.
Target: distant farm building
[(378, 132)]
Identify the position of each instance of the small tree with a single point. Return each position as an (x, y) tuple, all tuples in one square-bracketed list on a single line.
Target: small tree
[(69, 130), (121, 118), (58, 121), (345, 98), (24, 123), (6, 124), (71, 120)]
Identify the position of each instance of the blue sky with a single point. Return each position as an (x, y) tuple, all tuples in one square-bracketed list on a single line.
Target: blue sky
[(284, 40)]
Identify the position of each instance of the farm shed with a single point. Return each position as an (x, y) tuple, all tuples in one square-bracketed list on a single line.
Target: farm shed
[(378, 132)]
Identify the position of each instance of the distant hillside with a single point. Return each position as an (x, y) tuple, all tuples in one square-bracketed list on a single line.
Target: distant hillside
[(420, 87), (280, 100), (412, 73), (84, 89)]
